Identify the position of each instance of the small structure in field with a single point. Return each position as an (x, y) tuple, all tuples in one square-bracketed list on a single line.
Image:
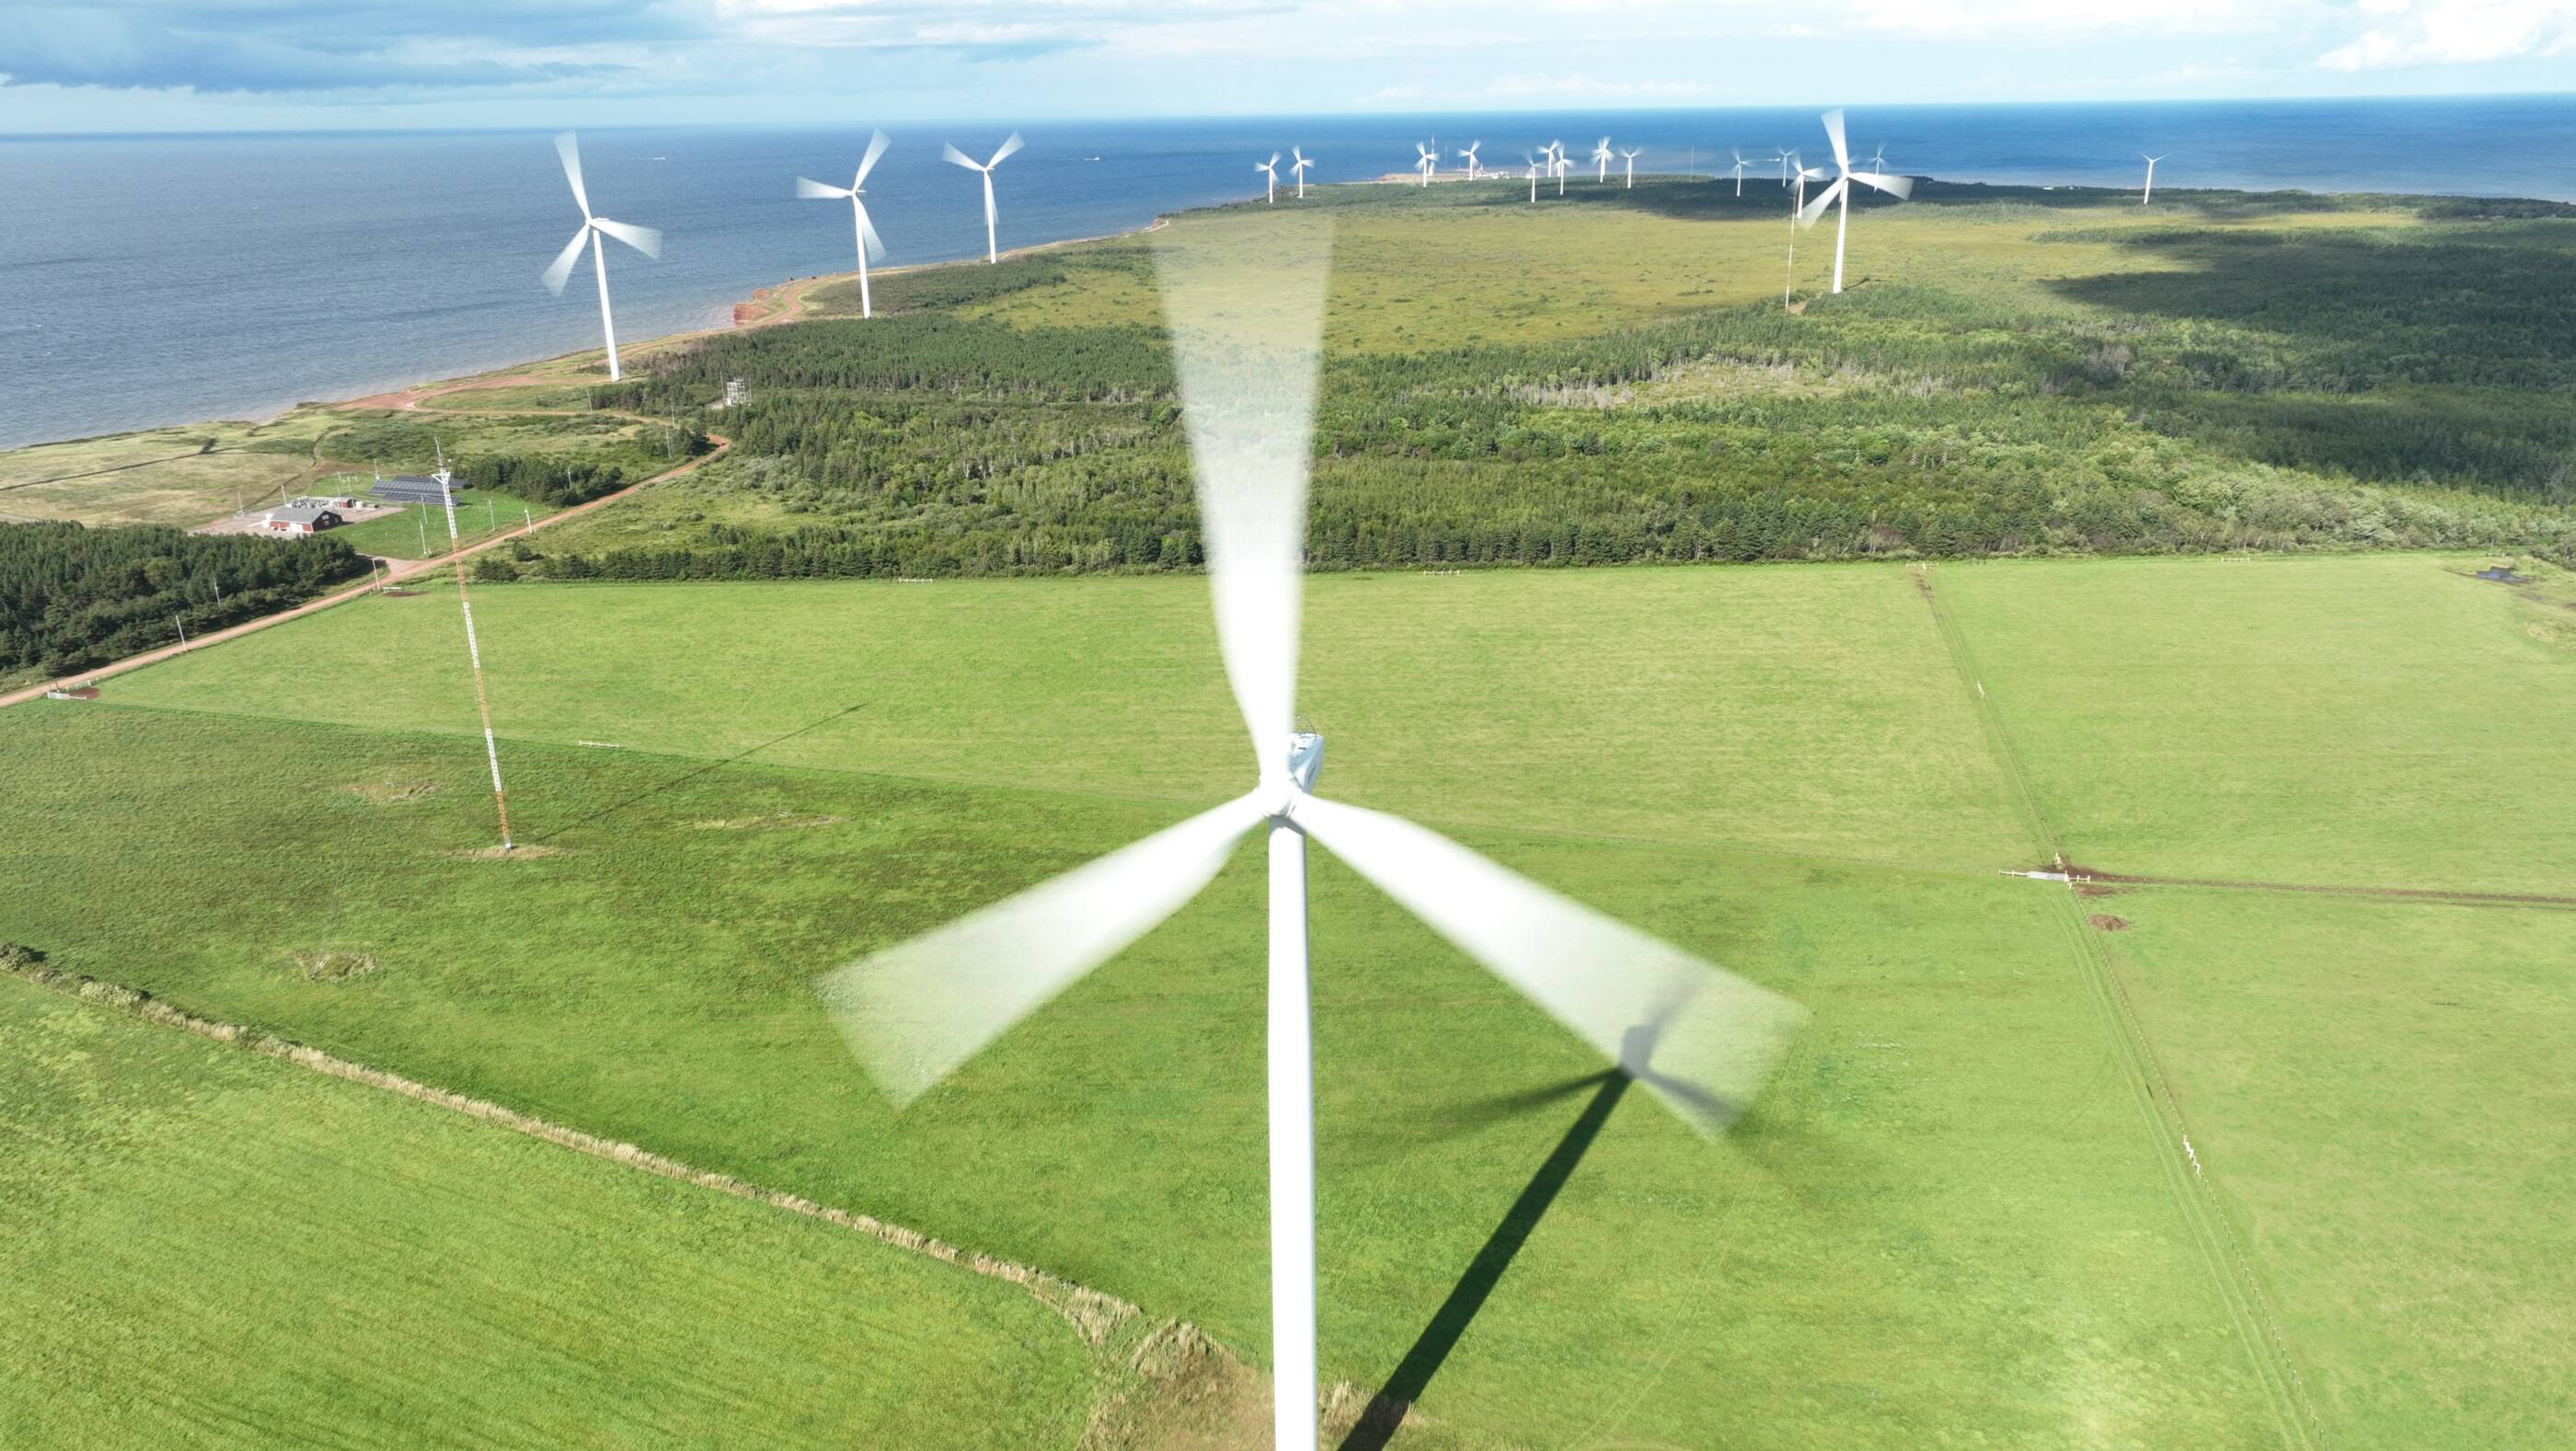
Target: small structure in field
[(304, 516), (410, 489)]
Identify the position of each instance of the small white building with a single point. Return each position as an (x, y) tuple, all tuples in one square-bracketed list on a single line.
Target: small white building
[(304, 516)]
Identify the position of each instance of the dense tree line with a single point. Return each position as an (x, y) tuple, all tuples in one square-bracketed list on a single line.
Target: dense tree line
[(73, 597)]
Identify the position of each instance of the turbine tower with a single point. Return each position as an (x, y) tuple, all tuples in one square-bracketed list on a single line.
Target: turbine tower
[(1630, 157), (1740, 164), (1798, 202), (1533, 174), (1427, 163), (869, 243), (1302, 161), (1270, 178), (1601, 160), (2150, 193), (992, 250), (1899, 187), (559, 271), (1469, 156), (1246, 332)]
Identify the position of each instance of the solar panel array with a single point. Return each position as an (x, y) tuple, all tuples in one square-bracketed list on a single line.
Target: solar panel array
[(410, 489)]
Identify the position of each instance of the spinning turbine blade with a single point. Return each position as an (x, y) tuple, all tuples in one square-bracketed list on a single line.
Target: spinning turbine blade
[(570, 151), (1700, 1039), (867, 230), (951, 153), (814, 190), (559, 270), (915, 1011), (1817, 206), (876, 147), (642, 239), (1006, 149), (1899, 187), (1834, 133), (1246, 315)]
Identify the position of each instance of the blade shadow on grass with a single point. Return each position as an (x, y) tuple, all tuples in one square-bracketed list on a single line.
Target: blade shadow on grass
[(695, 772), (1386, 1410)]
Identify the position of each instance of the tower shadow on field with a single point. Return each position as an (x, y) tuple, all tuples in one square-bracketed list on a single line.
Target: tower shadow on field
[(695, 772), (1386, 1410)]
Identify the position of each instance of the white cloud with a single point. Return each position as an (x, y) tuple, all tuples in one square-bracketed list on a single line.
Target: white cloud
[(2455, 32), (1589, 87)]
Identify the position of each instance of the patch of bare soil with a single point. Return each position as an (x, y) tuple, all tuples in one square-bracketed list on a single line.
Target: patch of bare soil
[(333, 966), (1187, 1394), (777, 821), (2108, 923), (391, 793), (2096, 889), (522, 852)]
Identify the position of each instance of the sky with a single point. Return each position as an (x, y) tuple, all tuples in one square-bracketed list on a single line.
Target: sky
[(143, 65)]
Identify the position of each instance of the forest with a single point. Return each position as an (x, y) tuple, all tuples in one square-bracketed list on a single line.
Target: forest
[(73, 597), (2248, 386)]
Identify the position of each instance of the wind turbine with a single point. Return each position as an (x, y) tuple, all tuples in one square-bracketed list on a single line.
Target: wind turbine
[(1303, 161), (1426, 163), (1740, 164), (1797, 204), (1899, 187), (869, 243), (1270, 183), (559, 271), (1877, 159), (2150, 193), (1556, 164), (1469, 156), (1783, 159), (1631, 158), (1601, 160), (1533, 174), (992, 251), (1698, 1038)]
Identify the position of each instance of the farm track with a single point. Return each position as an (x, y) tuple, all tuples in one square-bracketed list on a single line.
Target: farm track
[(2086, 876), (2294, 1410)]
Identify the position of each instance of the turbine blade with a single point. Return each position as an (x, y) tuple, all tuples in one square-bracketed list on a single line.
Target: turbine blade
[(1007, 148), (1899, 187), (877, 144), (1815, 208), (951, 153), (868, 231), (915, 1011), (1700, 1039), (642, 239), (812, 190), (559, 271), (570, 150), (1834, 133), (1246, 317)]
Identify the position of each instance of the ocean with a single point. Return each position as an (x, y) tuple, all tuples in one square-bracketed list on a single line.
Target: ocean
[(148, 280)]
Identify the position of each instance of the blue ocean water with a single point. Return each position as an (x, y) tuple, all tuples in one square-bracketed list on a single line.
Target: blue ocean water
[(161, 279)]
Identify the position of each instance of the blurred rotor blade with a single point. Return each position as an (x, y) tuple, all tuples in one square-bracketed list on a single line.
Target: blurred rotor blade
[(868, 237), (812, 190), (559, 270), (1899, 187), (877, 144), (570, 150), (1815, 208), (1007, 148), (1246, 313), (951, 153), (1700, 1039), (915, 1011), (1834, 133), (642, 239)]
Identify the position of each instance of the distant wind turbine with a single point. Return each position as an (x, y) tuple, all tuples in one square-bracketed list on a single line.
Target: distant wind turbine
[(1631, 158), (1303, 161), (992, 248), (1783, 158), (1245, 345), (1533, 174), (1427, 162), (1899, 187), (1469, 157), (558, 272), (1797, 204), (2150, 193), (1601, 160), (869, 244), (1740, 164), (1557, 163), (1270, 178)]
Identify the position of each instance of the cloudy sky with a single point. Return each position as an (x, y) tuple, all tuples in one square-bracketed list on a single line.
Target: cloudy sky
[(113, 65)]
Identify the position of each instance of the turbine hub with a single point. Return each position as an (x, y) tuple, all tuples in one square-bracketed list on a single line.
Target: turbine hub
[(1305, 758)]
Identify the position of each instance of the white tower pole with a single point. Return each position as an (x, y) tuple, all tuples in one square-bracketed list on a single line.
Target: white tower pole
[(859, 225), (992, 249), (2150, 193), (1292, 1148), (607, 324), (474, 649), (1842, 226)]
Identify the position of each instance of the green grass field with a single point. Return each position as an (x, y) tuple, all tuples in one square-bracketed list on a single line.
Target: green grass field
[(1960, 1207), (480, 514), (206, 1247)]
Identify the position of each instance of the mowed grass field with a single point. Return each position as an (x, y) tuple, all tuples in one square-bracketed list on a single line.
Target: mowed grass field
[(1964, 1207), (200, 1246)]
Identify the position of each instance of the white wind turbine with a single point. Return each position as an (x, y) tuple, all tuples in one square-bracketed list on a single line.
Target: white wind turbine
[(1899, 187), (559, 271), (1740, 164), (870, 245), (992, 251), (1630, 157), (1469, 156), (2150, 193), (1783, 158), (1270, 178), (1797, 204), (1533, 174), (1303, 161), (1601, 160), (1698, 1038), (1427, 162)]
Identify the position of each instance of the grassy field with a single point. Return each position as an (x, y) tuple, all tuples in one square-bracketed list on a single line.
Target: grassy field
[(183, 476), (206, 1247), (480, 514)]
